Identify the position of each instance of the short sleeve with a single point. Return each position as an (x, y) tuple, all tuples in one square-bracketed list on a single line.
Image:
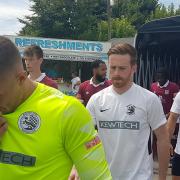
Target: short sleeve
[(91, 108), (176, 104), (151, 87), (82, 143), (176, 88), (155, 114)]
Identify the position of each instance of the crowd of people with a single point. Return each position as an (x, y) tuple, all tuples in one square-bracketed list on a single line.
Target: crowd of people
[(43, 132)]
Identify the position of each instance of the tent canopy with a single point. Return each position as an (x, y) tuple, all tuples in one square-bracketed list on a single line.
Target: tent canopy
[(171, 24), (161, 34), (158, 44)]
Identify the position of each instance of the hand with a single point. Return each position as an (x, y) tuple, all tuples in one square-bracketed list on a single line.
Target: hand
[(3, 125), (167, 115), (78, 96), (74, 174), (171, 150)]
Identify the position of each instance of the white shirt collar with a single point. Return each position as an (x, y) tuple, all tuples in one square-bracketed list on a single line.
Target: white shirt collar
[(96, 85), (165, 85), (40, 78)]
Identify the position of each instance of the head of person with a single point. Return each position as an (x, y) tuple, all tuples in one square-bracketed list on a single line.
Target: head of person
[(161, 76), (99, 70), (12, 76), (122, 64), (74, 74), (33, 56)]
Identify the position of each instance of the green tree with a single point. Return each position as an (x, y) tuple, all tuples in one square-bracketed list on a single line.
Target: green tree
[(162, 11), (136, 11), (120, 28), (178, 11), (75, 19)]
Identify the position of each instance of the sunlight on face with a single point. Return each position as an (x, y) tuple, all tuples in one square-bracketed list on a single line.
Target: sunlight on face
[(121, 70)]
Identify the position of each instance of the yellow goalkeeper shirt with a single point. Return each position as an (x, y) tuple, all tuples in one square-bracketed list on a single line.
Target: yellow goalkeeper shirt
[(46, 135)]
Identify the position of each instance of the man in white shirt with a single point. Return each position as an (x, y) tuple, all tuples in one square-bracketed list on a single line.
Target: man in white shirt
[(173, 118), (75, 82), (126, 114)]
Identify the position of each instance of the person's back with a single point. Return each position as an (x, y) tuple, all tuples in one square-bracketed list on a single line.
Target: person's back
[(76, 81)]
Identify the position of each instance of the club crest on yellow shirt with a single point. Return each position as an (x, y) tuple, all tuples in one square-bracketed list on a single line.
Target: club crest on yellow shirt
[(29, 122)]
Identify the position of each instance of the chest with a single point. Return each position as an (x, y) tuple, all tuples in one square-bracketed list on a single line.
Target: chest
[(89, 90), (114, 113), (32, 135)]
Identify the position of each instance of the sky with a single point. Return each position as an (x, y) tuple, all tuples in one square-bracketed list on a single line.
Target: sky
[(10, 11), (13, 9)]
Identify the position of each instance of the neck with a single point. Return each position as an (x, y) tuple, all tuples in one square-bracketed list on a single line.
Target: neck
[(95, 81), (34, 75), (163, 83), (124, 88), (27, 89)]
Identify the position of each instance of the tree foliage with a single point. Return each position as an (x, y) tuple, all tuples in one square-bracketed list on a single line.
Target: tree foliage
[(87, 19)]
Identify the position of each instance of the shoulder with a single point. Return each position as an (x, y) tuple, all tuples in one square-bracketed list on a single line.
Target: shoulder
[(177, 97), (173, 85), (153, 85), (51, 95), (144, 93), (85, 83), (108, 82), (101, 94), (50, 82)]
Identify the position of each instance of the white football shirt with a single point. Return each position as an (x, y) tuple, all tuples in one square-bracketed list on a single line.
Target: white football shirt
[(124, 124), (176, 109)]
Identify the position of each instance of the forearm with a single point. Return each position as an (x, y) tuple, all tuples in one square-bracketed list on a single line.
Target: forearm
[(163, 148), (92, 166), (171, 124), (171, 127)]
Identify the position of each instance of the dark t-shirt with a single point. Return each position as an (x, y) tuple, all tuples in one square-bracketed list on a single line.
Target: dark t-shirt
[(86, 89), (165, 94)]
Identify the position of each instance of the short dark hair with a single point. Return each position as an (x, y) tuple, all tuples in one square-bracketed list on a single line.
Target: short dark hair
[(95, 64), (123, 49), (32, 50), (9, 55)]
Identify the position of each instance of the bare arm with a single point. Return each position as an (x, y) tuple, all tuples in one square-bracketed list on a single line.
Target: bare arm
[(163, 147), (172, 123)]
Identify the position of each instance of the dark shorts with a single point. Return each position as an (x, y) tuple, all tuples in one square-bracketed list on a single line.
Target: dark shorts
[(176, 165)]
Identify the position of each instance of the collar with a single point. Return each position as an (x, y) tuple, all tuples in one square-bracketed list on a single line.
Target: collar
[(40, 78), (165, 85), (96, 85)]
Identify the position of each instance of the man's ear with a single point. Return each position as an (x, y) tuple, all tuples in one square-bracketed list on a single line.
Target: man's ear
[(135, 68), (22, 76), (41, 60)]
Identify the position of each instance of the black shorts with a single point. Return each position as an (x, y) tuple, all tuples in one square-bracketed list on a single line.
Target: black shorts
[(176, 165)]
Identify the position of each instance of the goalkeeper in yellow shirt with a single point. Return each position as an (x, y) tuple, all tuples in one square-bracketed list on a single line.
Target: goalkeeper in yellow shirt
[(47, 131)]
